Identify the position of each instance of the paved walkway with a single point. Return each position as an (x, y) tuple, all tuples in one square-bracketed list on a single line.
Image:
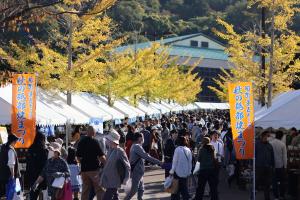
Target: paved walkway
[(154, 180)]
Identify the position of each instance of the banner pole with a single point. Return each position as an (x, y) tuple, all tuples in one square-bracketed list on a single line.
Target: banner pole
[(254, 177)]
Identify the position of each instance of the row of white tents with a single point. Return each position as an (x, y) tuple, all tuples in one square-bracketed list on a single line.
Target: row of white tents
[(52, 108)]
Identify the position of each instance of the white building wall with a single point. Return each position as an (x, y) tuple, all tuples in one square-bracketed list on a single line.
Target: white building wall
[(200, 38)]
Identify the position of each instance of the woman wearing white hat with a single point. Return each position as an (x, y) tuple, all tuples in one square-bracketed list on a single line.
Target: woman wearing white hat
[(117, 168), (55, 167)]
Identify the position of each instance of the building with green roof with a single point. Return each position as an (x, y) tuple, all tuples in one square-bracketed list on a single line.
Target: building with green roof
[(192, 48)]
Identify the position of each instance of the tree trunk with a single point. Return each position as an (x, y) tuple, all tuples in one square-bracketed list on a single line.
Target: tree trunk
[(69, 95), (270, 78), (262, 99), (109, 100), (135, 100)]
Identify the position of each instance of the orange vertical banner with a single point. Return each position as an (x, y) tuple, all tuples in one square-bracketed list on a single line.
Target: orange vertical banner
[(242, 118), (24, 108)]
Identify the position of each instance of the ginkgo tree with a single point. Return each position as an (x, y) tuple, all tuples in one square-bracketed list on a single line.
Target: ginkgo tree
[(279, 45), (157, 76), (81, 14), (84, 59)]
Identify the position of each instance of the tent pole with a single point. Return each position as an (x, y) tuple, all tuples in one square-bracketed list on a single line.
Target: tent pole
[(68, 128)]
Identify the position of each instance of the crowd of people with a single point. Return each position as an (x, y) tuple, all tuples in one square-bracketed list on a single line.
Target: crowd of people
[(97, 164)]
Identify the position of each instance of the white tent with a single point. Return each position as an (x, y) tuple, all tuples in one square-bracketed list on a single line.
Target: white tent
[(284, 112), (212, 106), (83, 105), (60, 106), (124, 103), (190, 106), (50, 109), (5, 112), (221, 106), (123, 108), (100, 103), (44, 116), (176, 107), (163, 109), (147, 109)]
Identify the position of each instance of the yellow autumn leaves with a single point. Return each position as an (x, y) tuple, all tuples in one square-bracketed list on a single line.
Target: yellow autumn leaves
[(244, 51), (149, 74)]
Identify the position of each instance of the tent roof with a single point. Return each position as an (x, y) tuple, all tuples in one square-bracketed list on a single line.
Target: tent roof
[(284, 112), (98, 100), (148, 109), (163, 109), (5, 112), (85, 106), (60, 106), (50, 109), (124, 108), (207, 105)]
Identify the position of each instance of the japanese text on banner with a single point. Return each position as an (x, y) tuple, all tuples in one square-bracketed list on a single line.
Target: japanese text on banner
[(23, 108), (242, 118)]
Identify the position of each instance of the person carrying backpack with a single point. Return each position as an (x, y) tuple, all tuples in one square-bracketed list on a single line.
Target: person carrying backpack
[(117, 168)]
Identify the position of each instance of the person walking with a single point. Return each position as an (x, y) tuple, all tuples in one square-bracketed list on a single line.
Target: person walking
[(147, 139), (129, 139), (9, 164), (64, 153), (280, 157), (55, 167), (74, 172), (117, 168), (154, 143), (196, 134), (169, 150), (36, 159), (219, 150), (207, 159), (137, 157), (181, 168), (90, 156), (264, 161), (290, 137), (164, 133)]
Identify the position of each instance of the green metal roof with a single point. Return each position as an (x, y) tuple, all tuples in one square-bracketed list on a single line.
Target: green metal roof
[(176, 50), (198, 52)]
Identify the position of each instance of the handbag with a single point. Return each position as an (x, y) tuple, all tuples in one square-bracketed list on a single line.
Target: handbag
[(59, 193), (65, 193), (174, 187), (168, 182)]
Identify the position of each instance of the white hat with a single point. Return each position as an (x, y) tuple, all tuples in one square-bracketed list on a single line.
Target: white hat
[(59, 141), (56, 147), (113, 136)]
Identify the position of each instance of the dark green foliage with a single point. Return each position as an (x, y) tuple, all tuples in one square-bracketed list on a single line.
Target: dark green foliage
[(156, 19)]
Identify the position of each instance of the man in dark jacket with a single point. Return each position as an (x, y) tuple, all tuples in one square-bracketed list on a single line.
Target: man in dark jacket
[(169, 149), (35, 162), (264, 163), (9, 165)]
